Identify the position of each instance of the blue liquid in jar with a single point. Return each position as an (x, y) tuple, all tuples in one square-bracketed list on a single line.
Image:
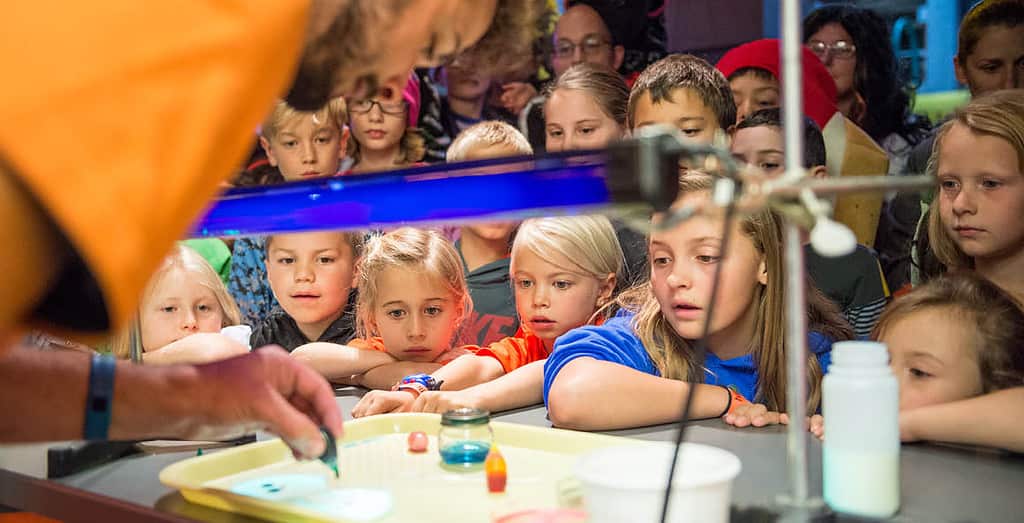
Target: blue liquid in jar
[(465, 453)]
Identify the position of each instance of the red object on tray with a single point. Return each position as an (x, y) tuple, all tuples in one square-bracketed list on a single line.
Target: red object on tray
[(418, 442)]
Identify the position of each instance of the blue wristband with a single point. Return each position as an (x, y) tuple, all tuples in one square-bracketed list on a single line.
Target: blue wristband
[(426, 380), (99, 400)]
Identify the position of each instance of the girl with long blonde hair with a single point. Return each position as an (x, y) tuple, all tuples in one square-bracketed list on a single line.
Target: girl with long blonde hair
[(185, 316), (640, 364)]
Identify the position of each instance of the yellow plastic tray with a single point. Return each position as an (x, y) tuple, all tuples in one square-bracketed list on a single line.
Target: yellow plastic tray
[(373, 455)]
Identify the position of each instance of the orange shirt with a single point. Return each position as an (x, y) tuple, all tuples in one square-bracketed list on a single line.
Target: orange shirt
[(517, 351), (122, 117), (444, 358)]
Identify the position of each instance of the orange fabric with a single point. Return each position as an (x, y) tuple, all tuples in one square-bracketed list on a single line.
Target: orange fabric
[(376, 344), (444, 358), (25, 517), (519, 350), (122, 117), (515, 352)]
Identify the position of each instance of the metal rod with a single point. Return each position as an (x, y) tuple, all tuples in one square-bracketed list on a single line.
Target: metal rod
[(796, 337), (792, 90), (849, 184), (796, 365)]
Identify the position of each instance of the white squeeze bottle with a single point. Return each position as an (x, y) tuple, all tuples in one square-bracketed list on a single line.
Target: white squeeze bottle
[(861, 452)]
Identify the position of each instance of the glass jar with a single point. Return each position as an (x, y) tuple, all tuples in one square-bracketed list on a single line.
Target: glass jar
[(465, 437)]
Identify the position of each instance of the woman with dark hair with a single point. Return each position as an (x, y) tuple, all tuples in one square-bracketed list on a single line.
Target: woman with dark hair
[(854, 44)]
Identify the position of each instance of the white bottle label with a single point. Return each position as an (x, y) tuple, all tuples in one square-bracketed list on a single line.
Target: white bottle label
[(861, 482)]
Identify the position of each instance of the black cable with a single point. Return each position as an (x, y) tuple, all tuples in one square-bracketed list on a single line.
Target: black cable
[(701, 349)]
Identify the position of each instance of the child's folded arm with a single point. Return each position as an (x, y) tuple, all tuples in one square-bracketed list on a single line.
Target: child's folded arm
[(340, 362), (608, 366), (627, 397), (203, 347), (520, 388), (468, 370), (992, 420), (385, 376)]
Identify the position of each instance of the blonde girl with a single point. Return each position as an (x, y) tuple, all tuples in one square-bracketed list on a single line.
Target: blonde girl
[(563, 271), (639, 365), (585, 108), (412, 302), (978, 160), (954, 343), (183, 310)]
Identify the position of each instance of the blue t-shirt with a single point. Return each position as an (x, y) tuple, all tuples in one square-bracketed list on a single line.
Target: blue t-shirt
[(617, 342)]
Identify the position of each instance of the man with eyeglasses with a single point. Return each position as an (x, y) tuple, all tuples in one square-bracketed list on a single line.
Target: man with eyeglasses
[(581, 35)]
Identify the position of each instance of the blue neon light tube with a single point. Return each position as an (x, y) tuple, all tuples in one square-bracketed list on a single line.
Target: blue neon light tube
[(441, 193)]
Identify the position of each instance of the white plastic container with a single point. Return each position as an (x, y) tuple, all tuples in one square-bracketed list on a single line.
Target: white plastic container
[(627, 484), (239, 333), (861, 453)]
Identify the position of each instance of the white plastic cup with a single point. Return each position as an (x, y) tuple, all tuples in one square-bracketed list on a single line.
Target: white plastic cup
[(627, 484)]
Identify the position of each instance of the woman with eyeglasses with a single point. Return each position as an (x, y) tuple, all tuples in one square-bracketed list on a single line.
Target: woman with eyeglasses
[(383, 131), (854, 44)]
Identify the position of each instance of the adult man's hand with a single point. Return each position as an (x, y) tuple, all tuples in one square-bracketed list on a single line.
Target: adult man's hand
[(44, 398), (269, 390)]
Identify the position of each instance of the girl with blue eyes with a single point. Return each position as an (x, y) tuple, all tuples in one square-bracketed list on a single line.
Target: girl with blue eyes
[(975, 219), (412, 300), (563, 270), (639, 365), (184, 308)]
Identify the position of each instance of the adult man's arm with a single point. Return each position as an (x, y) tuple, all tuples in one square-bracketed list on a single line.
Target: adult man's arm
[(45, 393)]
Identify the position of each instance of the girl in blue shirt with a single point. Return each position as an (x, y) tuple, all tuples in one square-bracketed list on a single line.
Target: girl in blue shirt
[(639, 365)]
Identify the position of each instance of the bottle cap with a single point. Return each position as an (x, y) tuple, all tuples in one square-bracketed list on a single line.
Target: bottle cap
[(465, 416), (860, 354)]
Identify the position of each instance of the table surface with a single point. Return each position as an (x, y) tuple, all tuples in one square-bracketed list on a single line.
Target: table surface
[(938, 483)]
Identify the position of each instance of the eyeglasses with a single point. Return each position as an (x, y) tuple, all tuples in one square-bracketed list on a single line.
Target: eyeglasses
[(590, 46), (392, 108), (840, 49)]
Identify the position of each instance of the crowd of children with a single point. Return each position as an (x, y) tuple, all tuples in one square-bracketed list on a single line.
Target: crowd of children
[(581, 310)]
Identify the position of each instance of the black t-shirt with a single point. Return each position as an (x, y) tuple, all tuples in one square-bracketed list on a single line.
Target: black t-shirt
[(280, 329)]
